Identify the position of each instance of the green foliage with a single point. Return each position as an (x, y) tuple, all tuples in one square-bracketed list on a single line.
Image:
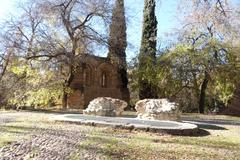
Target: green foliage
[(43, 96), (118, 36), (179, 73), (32, 84), (147, 55)]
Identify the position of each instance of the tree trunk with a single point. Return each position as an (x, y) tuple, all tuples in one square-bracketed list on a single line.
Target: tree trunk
[(64, 99), (147, 55), (3, 70), (67, 84), (146, 90), (203, 93)]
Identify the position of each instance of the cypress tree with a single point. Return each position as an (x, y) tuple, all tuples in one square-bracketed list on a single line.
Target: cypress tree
[(118, 40), (147, 56)]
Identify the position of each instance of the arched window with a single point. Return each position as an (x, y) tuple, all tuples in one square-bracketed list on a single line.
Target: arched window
[(104, 80), (104, 75), (88, 76)]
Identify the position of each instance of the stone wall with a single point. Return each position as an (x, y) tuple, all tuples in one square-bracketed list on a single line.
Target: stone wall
[(96, 78)]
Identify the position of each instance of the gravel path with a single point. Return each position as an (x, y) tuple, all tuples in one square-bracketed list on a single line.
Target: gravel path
[(49, 144), (36, 136), (45, 141)]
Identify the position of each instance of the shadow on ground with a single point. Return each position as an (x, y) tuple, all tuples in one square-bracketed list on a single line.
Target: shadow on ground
[(199, 133), (202, 130), (210, 127)]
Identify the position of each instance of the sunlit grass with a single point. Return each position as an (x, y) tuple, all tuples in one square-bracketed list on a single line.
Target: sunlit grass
[(209, 116), (10, 133), (193, 116), (221, 142)]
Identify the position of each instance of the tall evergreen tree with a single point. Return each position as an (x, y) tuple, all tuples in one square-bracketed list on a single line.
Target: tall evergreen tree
[(118, 40), (147, 56)]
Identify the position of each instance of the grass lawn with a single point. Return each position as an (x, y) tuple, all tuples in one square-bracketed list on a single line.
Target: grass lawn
[(215, 142), (194, 116), (221, 144), (210, 117)]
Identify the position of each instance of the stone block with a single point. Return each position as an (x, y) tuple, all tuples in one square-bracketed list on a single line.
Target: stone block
[(157, 109), (105, 106)]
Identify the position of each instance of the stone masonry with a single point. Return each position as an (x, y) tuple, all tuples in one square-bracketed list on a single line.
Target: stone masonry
[(96, 77)]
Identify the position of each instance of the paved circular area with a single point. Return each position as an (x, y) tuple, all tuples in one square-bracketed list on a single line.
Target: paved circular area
[(130, 123)]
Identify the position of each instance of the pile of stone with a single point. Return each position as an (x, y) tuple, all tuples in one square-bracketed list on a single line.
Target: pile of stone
[(157, 109), (105, 106), (150, 109)]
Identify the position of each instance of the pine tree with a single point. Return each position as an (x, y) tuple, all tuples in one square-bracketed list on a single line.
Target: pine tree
[(147, 56), (118, 40)]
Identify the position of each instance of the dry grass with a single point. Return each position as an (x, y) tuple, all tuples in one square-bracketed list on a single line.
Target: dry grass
[(210, 117), (218, 142)]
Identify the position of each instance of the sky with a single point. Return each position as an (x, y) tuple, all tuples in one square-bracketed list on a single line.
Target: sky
[(5, 7), (166, 16), (134, 9), (166, 11)]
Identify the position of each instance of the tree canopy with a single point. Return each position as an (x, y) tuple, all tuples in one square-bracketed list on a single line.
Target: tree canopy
[(43, 46)]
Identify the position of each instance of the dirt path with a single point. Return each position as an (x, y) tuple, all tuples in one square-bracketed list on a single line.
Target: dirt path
[(36, 136), (42, 139), (48, 144)]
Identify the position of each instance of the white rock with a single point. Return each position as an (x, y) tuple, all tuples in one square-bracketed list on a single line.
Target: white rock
[(157, 109), (105, 106)]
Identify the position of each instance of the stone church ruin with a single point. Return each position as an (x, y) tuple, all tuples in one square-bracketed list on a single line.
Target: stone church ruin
[(103, 77), (97, 77)]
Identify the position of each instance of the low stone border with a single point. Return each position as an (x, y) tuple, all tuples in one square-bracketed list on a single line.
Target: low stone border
[(169, 127)]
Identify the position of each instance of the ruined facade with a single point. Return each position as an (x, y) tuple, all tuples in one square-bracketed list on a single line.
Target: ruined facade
[(104, 77), (96, 77)]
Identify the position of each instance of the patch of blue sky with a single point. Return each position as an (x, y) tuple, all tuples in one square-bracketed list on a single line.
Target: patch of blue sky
[(166, 11)]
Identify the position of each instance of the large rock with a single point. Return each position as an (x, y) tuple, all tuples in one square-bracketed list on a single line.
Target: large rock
[(157, 109), (105, 106)]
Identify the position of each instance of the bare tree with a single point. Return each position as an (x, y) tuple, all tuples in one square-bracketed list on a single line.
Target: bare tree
[(218, 4), (60, 32), (76, 16), (208, 28)]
